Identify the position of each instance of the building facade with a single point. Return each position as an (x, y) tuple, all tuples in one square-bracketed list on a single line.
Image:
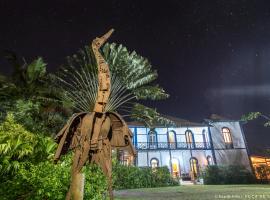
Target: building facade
[(188, 148)]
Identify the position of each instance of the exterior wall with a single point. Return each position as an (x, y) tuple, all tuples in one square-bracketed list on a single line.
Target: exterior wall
[(165, 156), (180, 153), (236, 132), (233, 157), (211, 145), (236, 155), (141, 133)]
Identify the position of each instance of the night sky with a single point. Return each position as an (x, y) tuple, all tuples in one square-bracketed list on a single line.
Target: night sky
[(211, 56)]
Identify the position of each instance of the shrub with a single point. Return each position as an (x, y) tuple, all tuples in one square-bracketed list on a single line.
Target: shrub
[(27, 170), (19, 145), (127, 177), (231, 174), (51, 182), (213, 175)]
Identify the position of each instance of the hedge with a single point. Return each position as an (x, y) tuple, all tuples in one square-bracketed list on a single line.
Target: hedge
[(231, 174), (127, 177)]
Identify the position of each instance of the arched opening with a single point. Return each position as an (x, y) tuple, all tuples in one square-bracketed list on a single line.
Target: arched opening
[(226, 133), (189, 138), (194, 168), (154, 163), (152, 139), (175, 168), (172, 139)]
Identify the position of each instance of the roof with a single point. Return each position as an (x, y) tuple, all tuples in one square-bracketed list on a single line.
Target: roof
[(179, 122), (219, 118)]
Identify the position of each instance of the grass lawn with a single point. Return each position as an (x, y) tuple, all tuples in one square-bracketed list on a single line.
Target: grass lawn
[(200, 192)]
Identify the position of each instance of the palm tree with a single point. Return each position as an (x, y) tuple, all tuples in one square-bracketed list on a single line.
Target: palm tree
[(28, 80), (132, 81), (31, 84)]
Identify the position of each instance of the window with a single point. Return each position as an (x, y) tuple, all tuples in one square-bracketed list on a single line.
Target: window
[(175, 167), (171, 139), (152, 139), (189, 138), (194, 167), (154, 163), (209, 160), (226, 133)]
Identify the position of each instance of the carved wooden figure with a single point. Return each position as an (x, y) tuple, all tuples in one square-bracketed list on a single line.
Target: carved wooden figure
[(92, 135)]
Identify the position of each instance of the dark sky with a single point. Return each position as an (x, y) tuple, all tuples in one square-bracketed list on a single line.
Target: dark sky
[(211, 56)]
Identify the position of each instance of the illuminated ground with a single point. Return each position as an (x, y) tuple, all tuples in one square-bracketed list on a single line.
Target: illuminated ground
[(201, 192)]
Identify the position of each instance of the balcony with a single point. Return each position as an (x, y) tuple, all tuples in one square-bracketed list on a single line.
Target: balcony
[(177, 145)]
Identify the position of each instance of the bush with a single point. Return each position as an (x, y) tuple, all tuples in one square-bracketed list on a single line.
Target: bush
[(27, 170), (127, 177), (213, 175), (231, 174), (51, 182), (37, 118), (18, 145)]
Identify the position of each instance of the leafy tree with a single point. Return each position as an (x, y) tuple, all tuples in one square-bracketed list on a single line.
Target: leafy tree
[(27, 170), (37, 118), (133, 80), (28, 81), (18, 145), (254, 115), (30, 92)]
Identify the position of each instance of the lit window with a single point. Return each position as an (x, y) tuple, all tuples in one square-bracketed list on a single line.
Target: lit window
[(171, 139), (154, 163), (194, 167), (175, 168), (189, 138), (227, 138)]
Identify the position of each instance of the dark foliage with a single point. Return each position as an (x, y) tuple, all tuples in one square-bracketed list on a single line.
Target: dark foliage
[(231, 174), (127, 177)]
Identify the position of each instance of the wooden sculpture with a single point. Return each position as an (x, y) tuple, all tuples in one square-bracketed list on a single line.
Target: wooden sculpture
[(92, 135)]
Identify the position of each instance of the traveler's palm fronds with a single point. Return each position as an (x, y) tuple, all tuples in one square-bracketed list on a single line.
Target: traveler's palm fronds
[(149, 116), (81, 88), (131, 79)]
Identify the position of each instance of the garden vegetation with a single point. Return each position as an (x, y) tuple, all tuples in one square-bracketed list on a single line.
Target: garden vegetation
[(34, 105)]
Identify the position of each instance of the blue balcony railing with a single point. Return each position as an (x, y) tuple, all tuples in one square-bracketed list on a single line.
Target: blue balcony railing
[(176, 145)]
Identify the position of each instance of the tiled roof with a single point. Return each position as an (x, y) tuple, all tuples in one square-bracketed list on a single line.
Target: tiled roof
[(219, 118)]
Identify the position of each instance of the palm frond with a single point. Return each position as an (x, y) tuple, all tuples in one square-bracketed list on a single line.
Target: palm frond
[(35, 70), (81, 87), (149, 116), (132, 79), (153, 92)]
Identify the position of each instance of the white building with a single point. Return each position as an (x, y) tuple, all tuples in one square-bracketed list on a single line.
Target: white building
[(189, 147)]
